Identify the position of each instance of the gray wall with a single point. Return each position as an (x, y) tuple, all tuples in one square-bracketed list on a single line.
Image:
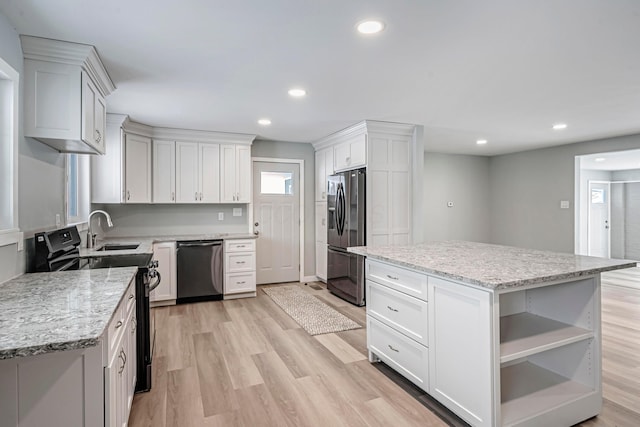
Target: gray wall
[(40, 171), (463, 180), (296, 151), (526, 190), (163, 220)]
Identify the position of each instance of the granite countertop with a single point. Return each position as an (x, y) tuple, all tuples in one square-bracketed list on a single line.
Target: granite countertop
[(491, 266), (146, 242), (68, 310)]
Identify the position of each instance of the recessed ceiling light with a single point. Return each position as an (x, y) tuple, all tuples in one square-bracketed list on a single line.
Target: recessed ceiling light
[(481, 141), (264, 122), (559, 126), (297, 92), (600, 159), (370, 27)]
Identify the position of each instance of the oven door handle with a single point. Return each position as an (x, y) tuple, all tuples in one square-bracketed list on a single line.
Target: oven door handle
[(75, 260), (157, 282)]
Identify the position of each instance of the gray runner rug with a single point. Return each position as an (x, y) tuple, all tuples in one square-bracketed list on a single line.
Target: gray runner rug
[(313, 315)]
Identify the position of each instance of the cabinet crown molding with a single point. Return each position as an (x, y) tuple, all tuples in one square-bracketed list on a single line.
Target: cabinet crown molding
[(183, 135), (63, 52), (365, 126), (189, 135)]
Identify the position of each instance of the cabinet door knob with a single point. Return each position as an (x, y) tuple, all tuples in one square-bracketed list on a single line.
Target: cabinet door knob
[(196, 195), (119, 324), (173, 196), (98, 136), (128, 195)]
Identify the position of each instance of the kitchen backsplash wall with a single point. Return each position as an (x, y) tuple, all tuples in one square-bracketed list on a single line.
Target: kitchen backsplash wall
[(160, 220)]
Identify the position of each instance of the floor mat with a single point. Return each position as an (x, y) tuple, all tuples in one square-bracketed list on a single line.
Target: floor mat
[(313, 315)]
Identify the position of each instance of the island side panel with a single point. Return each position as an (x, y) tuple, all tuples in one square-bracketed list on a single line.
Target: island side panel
[(461, 351), (63, 388)]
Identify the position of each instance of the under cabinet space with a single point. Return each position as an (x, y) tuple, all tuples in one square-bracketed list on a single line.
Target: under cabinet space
[(524, 334), (547, 383)]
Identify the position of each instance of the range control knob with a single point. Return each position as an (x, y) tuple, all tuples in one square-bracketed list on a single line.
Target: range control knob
[(154, 264)]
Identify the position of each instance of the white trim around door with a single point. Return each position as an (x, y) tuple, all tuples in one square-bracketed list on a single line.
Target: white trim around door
[(299, 162)]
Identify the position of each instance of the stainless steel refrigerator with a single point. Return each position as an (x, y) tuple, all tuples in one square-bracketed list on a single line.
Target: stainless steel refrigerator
[(346, 228)]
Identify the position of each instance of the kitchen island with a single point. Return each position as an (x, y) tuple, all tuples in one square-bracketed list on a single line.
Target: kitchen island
[(502, 336), (65, 341)]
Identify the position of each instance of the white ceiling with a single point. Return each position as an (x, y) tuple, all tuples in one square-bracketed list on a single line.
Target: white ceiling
[(501, 70)]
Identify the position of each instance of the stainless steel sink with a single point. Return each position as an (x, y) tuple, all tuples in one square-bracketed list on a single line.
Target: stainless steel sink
[(118, 247)]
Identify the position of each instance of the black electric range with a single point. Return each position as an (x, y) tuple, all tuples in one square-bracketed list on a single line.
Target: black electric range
[(59, 250)]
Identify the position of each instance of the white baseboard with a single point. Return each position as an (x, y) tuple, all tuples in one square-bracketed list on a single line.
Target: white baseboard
[(310, 279)]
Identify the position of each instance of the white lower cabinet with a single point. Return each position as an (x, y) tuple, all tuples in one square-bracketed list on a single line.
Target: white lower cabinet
[(461, 350), (167, 291), (511, 357), (120, 372), (239, 268)]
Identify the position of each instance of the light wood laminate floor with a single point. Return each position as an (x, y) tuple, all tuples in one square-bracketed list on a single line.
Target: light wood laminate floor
[(247, 363)]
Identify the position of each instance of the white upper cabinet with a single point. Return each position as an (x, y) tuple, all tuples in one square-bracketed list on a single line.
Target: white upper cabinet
[(164, 171), (137, 159), (143, 164), (391, 154), (235, 173), (123, 174), (351, 154), (65, 87), (324, 169), (197, 172)]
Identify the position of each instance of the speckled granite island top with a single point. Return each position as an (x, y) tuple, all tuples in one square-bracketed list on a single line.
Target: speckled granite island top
[(491, 266), (47, 312)]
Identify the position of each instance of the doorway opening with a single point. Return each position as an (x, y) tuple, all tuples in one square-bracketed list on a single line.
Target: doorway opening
[(607, 205)]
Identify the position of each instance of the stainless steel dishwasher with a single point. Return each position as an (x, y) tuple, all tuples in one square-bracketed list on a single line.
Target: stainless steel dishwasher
[(199, 270)]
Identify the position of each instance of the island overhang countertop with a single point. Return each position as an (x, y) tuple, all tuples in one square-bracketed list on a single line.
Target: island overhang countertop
[(67, 310), (493, 267)]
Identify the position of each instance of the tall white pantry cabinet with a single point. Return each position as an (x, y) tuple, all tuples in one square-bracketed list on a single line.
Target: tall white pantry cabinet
[(392, 154)]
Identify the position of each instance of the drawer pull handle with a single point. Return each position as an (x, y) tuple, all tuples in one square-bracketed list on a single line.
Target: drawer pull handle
[(118, 324), (240, 246), (391, 277), (239, 262), (393, 349), (240, 283), (392, 309)]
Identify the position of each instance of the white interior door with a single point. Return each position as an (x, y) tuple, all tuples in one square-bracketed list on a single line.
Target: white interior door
[(276, 217), (599, 222)]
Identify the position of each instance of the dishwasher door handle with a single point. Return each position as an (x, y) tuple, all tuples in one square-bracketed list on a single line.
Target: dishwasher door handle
[(195, 245)]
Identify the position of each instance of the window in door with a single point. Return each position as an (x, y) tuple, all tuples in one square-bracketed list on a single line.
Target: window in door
[(276, 183)]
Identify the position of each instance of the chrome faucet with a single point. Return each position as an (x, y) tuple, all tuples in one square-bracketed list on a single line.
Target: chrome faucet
[(91, 237)]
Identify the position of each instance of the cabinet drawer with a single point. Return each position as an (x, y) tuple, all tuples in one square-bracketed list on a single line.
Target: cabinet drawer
[(247, 245), (408, 282), (402, 312), (409, 358), (237, 283), (241, 261)]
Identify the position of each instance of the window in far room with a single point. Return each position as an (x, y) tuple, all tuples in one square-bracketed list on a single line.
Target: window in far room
[(77, 192), (9, 84)]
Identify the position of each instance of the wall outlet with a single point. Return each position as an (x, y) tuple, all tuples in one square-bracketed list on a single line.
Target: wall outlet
[(237, 211), (449, 204), (564, 204), (220, 216)]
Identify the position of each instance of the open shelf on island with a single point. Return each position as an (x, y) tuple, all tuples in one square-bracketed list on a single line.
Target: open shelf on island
[(524, 334), (528, 390)]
